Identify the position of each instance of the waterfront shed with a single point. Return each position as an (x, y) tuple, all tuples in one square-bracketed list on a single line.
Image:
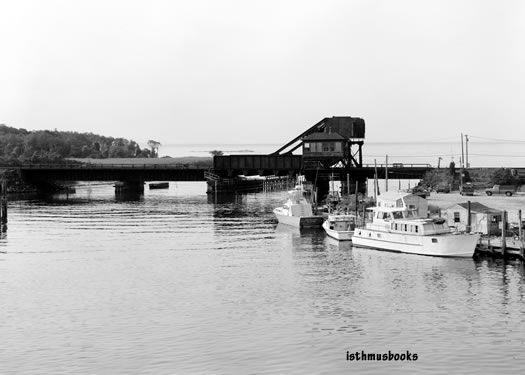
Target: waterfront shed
[(484, 219), (402, 199)]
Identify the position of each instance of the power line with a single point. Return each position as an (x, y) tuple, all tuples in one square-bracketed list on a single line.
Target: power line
[(498, 139), (435, 140), (447, 155), (413, 156), (501, 155)]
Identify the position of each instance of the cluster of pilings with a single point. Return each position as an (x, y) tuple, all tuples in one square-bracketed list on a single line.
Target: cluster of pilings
[(350, 183), (216, 184), (278, 183)]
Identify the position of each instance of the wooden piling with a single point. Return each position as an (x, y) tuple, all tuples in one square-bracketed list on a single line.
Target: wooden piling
[(386, 173), (3, 201), (375, 181), (356, 197), (469, 219), (503, 233), (520, 234)]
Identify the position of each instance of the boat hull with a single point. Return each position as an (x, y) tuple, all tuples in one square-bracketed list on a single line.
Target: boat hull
[(448, 245), (299, 221), (338, 235)]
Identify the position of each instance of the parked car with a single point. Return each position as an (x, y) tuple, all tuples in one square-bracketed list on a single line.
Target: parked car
[(443, 188), (466, 189), (420, 191), (508, 190)]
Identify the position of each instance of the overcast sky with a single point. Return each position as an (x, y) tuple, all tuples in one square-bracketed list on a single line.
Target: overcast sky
[(263, 71)]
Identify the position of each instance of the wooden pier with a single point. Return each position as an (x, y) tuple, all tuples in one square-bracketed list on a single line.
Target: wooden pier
[(504, 245), (496, 246)]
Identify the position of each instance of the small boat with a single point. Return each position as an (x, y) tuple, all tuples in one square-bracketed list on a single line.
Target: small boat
[(159, 185), (340, 227), (297, 211), (400, 229)]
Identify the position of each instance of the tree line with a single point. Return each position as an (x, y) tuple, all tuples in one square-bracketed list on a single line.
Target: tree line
[(23, 146)]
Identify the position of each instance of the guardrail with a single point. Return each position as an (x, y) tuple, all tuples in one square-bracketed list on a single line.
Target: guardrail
[(105, 166), (398, 165)]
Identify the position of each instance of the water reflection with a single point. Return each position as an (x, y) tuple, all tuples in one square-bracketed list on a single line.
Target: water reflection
[(309, 239), (3, 230), (129, 196), (226, 198)]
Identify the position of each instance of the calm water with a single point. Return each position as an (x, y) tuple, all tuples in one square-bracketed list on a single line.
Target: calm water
[(174, 283)]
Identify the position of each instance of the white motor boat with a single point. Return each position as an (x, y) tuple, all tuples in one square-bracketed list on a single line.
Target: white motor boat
[(297, 211), (400, 229), (340, 227)]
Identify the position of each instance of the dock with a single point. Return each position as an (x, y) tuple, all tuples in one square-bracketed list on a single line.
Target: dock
[(497, 246)]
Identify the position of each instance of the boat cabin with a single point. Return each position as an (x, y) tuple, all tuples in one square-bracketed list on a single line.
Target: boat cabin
[(298, 202), (422, 227), (398, 220), (342, 222), (404, 201)]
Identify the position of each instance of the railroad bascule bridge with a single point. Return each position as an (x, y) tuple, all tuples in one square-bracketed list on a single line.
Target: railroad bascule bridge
[(331, 149)]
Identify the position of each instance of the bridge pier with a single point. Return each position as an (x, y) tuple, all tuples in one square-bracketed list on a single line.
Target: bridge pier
[(124, 187)]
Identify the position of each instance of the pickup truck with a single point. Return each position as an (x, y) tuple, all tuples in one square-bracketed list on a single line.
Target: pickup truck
[(508, 190), (466, 189)]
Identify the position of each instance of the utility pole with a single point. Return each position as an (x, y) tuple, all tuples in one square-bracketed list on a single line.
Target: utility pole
[(462, 152), (386, 174), (375, 180), (461, 167), (466, 150)]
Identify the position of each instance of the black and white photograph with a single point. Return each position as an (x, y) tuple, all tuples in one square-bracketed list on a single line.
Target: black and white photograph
[(214, 187)]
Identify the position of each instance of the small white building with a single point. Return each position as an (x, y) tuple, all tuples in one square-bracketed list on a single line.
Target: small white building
[(483, 219), (401, 199)]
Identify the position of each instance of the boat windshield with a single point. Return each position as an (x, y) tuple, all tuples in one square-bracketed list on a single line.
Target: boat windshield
[(412, 213), (397, 214)]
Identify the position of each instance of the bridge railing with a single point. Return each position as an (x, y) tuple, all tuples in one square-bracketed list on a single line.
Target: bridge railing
[(399, 165), (108, 166)]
